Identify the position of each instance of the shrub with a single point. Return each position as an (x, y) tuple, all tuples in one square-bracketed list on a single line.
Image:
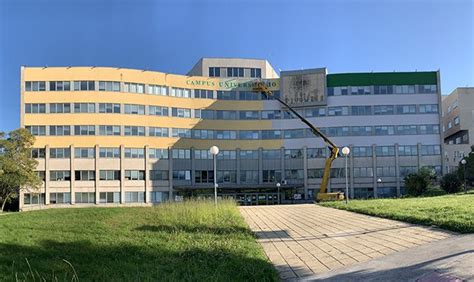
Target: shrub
[(451, 183), (418, 183), (434, 191)]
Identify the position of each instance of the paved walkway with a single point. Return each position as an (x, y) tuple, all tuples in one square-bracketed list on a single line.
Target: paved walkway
[(304, 240)]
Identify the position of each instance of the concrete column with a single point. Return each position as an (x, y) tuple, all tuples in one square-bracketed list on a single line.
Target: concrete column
[(73, 175), (237, 162), (47, 175), (147, 175), (122, 174), (305, 171), (282, 163), (397, 169), (351, 171), (419, 155), (170, 173), (97, 174), (193, 167), (260, 165), (374, 168)]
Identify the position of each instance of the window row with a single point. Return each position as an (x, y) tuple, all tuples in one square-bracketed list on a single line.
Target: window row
[(382, 90)]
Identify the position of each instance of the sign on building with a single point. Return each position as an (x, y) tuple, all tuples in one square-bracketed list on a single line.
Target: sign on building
[(304, 88)]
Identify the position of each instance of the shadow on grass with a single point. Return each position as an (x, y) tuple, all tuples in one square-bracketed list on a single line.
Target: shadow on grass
[(194, 229), (127, 262)]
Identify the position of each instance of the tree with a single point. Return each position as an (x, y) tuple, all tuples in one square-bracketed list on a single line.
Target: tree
[(419, 182), (451, 183), (17, 168), (469, 167)]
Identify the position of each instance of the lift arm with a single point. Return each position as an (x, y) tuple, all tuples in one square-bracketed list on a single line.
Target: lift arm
[(334, 150)]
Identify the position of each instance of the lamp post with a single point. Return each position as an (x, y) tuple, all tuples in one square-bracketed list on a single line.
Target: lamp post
[(464, 162), (278, 188), (214, 150), (379, 181), (345, 152)]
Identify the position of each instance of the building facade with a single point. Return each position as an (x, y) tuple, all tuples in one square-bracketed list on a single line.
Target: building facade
[(458, 126), (113, 136)]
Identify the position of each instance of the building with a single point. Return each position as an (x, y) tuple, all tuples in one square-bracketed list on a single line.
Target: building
[(458, 126), (122, 136)]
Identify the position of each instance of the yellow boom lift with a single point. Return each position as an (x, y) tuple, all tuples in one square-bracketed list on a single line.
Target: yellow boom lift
[(323, 195)]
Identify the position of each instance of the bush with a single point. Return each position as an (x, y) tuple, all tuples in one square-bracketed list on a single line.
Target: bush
[(451, 183), (433, 192), (418, 183)]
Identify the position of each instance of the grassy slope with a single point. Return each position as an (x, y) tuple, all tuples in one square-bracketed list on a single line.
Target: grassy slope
[(169, 242), (452, 212)]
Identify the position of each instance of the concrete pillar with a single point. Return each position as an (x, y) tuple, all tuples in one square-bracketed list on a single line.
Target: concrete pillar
[(193, 167), (97, 174), (237, 162), (147, 175), (122, 174), (282, 163), (305, 171), (73, 175), (374, 168), (351, 171), (170, 173), (260, 165), (397, 169), (419, 155), (47, 175)]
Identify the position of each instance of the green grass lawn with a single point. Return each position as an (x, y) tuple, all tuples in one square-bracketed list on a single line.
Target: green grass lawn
[(452, 212), (183, 241)]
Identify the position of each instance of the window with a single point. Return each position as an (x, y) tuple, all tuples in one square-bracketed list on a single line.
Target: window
[(386, 171), (60, 175), (41, 174), (134, 175), (84, 153), (181, 153), (407, 130), (271, 134), (456, 120), (450, 124), (406, 170), (384, 110), (428, 109), (85, 175), (362, 151), (109, 197), (204, 176), (134, 130), (249, 155), (271, 154), (181, 112), (181, 132), (383, 89), (59, 153), (249, 95), (428, 129), (158, 132), (363, 172), (384, 130), (35, 108), (338, 111), (203, 134), (159, 175), (109, 153), (36, 130), (429, 150), (134, 88), (404, 89), (408, 150), (361, 130), (84, 130), (85, 198), (385, 151), (35, 86), (109, 86), (227, 95), (158, 111), (226, 134), (226, 176), (134, 197), (181, 175), (159, 197), (249, 115), (294, 133), (406, 109), (315, 112), (38, 153), (271, 114), (361, 110), (134, 109), (249, 176), (110, 175), (204, 114), (158, 154), (33, 198), (293, 154), (203, 94), (294, 174), (255, 72), (337, 172), (431, 88), (134, 153), (84, 108), (214, 72), (180, 92), (249, 134), (84, 85), (360, 90), (338, 131), (60, 198), (227, 115), (227, 155), (202, 155), (270, 176), (59, 108), (109, 108), (235, 72), (338, 91), (59, 130), (314, 153), (158, 90)]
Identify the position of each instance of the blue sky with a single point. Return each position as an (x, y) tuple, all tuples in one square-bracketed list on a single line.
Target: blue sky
[(170, 36)]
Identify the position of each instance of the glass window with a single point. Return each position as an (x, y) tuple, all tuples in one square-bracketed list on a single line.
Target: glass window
[(134, 130)]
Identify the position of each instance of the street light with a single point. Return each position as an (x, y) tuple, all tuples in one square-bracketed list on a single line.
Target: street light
[(345, 152), (278, 187), (214, 150), (379, 181), (464, 162)]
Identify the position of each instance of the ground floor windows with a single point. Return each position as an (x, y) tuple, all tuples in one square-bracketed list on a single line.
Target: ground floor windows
[(271, 176), (33, 199), (249, 176), (109, 197), (85, 198), (60, 198), (158, 197), (134, 197), (134, 175)]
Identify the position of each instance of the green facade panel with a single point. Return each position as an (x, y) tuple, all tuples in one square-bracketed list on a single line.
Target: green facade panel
[(381, 78)]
